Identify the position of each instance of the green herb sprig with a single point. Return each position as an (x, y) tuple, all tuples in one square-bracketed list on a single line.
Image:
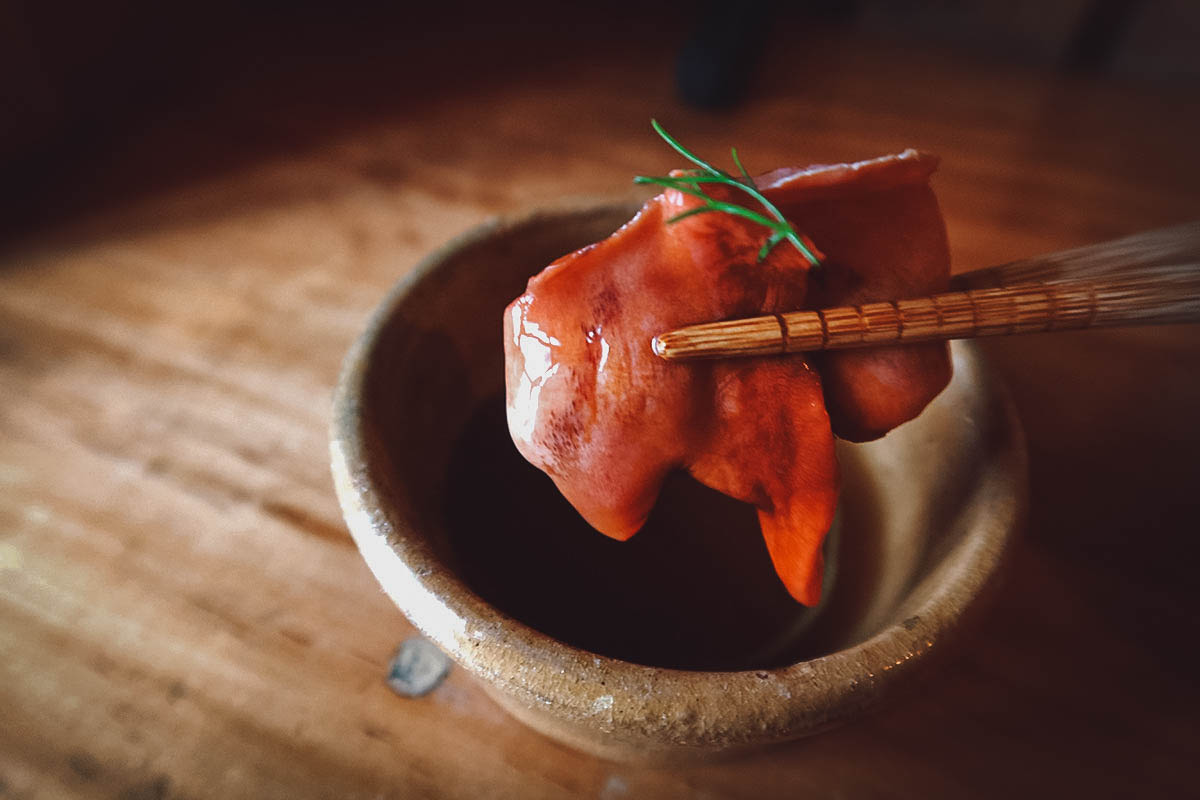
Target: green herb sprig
[(692, 183)]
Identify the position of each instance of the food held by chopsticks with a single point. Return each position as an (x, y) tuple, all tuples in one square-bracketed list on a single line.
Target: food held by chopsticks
[(1150, 278), (591, 404)]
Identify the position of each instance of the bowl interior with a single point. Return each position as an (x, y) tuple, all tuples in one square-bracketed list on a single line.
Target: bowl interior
[(695, 589)]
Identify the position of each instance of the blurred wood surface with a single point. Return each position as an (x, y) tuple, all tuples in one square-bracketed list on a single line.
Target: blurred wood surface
[(183, 615)]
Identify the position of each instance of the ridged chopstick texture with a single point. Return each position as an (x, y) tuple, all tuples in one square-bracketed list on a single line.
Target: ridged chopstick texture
[(1146, 279)]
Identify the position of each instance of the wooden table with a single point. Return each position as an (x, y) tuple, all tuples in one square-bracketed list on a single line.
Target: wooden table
[(183, 615)]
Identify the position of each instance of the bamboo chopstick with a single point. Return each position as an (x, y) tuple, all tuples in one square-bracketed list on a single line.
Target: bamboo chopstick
[(1147, 279)]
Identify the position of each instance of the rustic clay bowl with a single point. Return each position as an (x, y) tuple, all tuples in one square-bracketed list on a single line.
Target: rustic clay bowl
[(680, 643)]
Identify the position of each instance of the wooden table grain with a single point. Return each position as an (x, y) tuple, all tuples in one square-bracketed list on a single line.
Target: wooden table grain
[(183, 615)]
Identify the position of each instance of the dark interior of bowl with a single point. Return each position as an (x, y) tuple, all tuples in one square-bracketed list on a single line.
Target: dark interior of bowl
[(693, 590)]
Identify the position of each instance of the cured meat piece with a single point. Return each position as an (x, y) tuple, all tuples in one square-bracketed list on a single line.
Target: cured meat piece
[(591, 405), (881, 230)]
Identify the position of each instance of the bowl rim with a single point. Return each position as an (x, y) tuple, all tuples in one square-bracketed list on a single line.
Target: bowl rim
[(827, 689)]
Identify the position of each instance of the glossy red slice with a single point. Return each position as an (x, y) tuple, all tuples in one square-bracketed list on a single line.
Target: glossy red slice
[(591, 405)]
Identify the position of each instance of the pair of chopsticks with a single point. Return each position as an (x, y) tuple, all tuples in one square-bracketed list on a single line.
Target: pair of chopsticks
[(1147, 279)]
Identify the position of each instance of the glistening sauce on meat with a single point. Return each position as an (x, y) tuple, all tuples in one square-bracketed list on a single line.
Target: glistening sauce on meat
[(590, 404)]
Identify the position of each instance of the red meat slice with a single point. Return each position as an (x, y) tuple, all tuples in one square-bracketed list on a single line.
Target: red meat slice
[(591, 405)]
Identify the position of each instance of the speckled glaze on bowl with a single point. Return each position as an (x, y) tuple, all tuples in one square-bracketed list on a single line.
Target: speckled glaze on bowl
[(927, 513)]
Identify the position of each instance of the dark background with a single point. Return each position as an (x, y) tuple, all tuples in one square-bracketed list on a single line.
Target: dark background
[(99, 100)]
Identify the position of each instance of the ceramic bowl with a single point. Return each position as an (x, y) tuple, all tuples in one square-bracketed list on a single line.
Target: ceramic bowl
[(681, 643)]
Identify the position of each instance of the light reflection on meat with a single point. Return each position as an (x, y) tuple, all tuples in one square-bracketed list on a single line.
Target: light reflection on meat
[(591, 405)]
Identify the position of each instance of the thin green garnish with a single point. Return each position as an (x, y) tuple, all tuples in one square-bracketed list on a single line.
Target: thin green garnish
[(691, 183)]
